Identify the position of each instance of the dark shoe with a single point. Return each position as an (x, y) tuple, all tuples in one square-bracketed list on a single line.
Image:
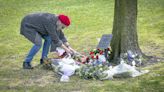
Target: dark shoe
[(41, 61), (44, 61), (27, 65)]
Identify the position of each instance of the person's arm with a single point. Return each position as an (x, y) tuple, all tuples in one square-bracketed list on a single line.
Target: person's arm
[(69, 47), (50, 27), (51, 30), (62, 37), (65, 42), (66, 49)]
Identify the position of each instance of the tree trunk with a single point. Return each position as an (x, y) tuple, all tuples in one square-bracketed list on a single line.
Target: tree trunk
[(124, 28)]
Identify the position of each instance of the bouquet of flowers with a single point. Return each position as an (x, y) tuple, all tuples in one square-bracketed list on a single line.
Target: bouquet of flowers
[(97, 56), (92, 72), (132, 58), (94, 65)]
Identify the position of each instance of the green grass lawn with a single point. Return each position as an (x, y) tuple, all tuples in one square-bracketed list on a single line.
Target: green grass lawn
[(90, 19)]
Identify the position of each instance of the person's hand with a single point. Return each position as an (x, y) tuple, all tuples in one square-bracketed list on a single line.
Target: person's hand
[(68, 51), (73, 51)]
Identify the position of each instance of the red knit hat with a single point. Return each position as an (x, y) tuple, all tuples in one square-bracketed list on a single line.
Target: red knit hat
[(64, 19)]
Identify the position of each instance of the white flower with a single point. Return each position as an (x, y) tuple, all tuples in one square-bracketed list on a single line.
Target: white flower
[(100, 69), (133, 63)]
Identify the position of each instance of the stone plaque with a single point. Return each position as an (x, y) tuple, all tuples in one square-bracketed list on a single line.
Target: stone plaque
[(105, 41)]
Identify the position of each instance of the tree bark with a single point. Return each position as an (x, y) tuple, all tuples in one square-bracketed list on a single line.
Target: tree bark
[(125, 28)]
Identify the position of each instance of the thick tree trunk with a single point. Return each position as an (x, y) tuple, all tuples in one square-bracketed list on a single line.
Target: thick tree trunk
[(125, 28)]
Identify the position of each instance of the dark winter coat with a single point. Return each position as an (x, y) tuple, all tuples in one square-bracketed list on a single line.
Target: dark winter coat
[(34, 26)]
